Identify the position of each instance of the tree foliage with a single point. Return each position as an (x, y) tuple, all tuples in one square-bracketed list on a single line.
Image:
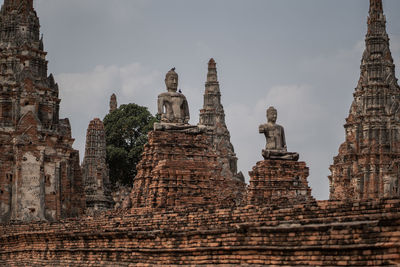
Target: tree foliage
[(126, 133)]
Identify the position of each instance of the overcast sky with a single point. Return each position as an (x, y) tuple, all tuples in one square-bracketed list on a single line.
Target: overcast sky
[(301, 56)]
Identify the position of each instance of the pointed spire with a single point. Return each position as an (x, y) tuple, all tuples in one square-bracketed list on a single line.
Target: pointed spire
[(212, 107), (19, 23), (212, 72), (377, 62), (18, 5), (367, 163), (212, 115), (212, 64), (113, 103), (376, 19), (375, 6)]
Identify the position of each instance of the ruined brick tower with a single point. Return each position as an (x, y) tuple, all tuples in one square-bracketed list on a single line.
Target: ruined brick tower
[(212, 115), (40, 176), (95, 169), (113, 103), (367, 166)]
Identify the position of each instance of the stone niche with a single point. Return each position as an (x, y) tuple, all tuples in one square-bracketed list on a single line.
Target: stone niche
[(181, 169), (280, 182)]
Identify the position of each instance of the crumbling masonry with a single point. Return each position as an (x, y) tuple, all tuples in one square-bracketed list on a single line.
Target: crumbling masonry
[(40, 176), (113, 103), (212, 115), (95, 169), (184, 212), (367, 166)]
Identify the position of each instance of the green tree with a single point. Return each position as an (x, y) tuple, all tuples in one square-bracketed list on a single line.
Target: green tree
[(126, 134)]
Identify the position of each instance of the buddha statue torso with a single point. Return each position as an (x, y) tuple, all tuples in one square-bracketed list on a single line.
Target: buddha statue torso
[(275, 137), (173, 107)]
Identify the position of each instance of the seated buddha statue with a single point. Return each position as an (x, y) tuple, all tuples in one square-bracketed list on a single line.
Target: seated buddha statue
[(275, 136), (173, 107)]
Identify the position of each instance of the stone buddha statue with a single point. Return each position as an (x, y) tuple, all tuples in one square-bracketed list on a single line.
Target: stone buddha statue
[(173, 107), (275, 135)]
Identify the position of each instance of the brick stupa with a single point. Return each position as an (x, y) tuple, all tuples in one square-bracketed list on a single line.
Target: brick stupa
[(113, 103), (40, 176), (95, 169), (279, 179), (212, 115), (367, 166), (179, 166)]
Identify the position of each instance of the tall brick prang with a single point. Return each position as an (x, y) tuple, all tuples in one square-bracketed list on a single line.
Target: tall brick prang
[(40, 176), (212, 115), (367, 166), (95, 170)]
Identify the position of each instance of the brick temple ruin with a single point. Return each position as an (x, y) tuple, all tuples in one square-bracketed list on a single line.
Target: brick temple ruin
[(212, 115), (95, 169), (113, 103), (367, 166), (40, 176), (189, 206)]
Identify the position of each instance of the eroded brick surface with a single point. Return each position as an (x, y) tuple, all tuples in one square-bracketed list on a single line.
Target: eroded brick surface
[(279, 182), (181, 169), (40, 176), (321, 234), (212, 115), (95, 169), (367, 166), (113, 103), (185, 210)]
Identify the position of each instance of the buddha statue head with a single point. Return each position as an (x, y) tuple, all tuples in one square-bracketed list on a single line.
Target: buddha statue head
[(272, 115), (171, 80)]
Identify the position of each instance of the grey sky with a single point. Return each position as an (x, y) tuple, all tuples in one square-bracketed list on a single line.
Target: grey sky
[(301, 56)]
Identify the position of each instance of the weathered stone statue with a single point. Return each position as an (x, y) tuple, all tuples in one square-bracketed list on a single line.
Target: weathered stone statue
[(275, 135), (173, 106)]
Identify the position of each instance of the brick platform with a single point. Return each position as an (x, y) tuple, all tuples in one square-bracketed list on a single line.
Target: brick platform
[(181, 169), (280, 182), (324, 233)]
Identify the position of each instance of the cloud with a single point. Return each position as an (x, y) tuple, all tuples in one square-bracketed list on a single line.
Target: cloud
[(86, 95), (297, 108), (312, 109), (299, 111)]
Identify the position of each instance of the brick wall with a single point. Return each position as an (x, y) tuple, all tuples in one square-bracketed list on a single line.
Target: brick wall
[(324, 233)]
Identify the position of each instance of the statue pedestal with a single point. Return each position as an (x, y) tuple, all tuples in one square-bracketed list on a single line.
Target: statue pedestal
[(280, 182), (181, 169)]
